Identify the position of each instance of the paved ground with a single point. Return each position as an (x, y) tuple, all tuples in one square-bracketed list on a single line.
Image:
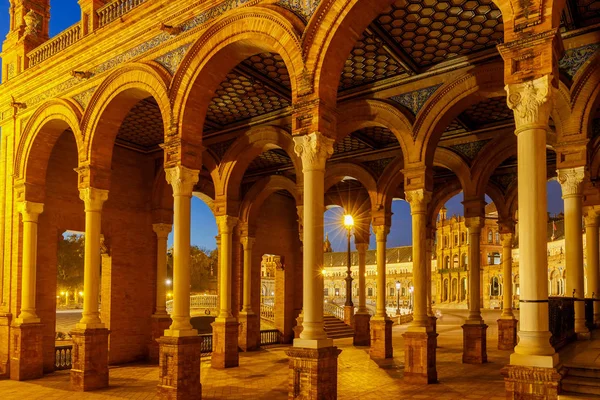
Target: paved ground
[(264, 374)]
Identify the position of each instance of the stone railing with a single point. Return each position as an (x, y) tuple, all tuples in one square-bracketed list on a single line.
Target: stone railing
[(333, 309), (202, 301), (267, 312), (205, 344), (267, 300), (53, 46), (62, 357), (116, 9), (270, 336)]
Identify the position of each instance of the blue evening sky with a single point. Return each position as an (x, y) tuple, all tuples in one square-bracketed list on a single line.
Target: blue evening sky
[(204, 229)]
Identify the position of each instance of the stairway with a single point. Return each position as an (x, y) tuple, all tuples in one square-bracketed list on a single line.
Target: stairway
[(336, 328), (581, 383)]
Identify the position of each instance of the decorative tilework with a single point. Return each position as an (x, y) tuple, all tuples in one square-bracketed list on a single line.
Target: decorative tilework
[(84, 97), (505, 180), (214, 12), (221, 148), (573, 59), (378, 166), (172, 59), (303, 8), (415, 100), (470, 150)]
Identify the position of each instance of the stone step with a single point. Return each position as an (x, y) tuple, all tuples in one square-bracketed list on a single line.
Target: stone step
[(336, 328), (581, 385), (585, 372)]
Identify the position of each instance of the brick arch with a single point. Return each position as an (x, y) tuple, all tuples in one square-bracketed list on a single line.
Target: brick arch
[(260, 191), (440, 197), (360, 114), (498, 199), (488, 159), (449, 101), (388, 183), (42, 131), (111, 103), (234, 37), (450, 160), (244, 150), (585, 96), (337, 172)]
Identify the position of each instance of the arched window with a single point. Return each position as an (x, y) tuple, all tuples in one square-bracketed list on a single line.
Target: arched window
[(447, 262), (463, 289), (464, 260), (490, 236), (454, 289), (445, 290), (494, 287), (462, 238), (455, 261), (497, 237)]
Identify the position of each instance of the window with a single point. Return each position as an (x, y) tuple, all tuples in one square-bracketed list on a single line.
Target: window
[(445, 291), (392, 291), (455, 261), (447, 262), (497, 237), (494, 287), (370, 292), (337, 291), (463, 289), (464, 260), (462, 238), (326, 292), (456, 240), (490, 236)]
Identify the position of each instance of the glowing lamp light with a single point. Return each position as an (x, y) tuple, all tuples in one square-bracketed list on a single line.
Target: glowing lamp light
[(397, 285), (168, 282), (348, 221), (323, 272), (81, 293)]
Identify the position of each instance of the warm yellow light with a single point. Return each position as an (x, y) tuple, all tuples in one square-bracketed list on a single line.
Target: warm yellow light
[(348, 221), (81, 293), (323, 272), (62, 293)]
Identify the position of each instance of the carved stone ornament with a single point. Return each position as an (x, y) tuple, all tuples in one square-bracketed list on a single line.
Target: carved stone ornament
[(162, 230), (506, 239), (531, 101), (571, 180), (418, 200), (474, 224), (381, 232), (314, 149), (182, 179), (226, 223), (93, 198), (32, 23), (30, 210), (247, 242)]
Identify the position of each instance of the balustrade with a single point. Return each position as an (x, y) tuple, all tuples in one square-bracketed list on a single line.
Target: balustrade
[(270, 336), (267, 312), (334, 309), (53, 46), (116, 9), (62, 357)]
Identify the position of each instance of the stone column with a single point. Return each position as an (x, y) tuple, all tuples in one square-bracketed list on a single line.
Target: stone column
[(313, 358), (362, 316), (179, 348), (27, 359), (249, 338), (419, 339), (532, 365), (474, 329), (90, 337), (507, 324), (429, 251), (591, 240), (381, 324), (226, 327), (160, 319), (571, 180)]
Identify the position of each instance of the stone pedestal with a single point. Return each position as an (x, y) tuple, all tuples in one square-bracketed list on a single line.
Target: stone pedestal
[(507, 334), (249, 337), (159, 324), (349, 315), (381, 339), (474, 343), (225, 345), (179, 368), (420, 358), (313, 373), (362, 334), (89, 359), (531, 383), (26, 358)]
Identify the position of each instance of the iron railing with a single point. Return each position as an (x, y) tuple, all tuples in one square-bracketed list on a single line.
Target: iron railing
[(62, 357), (205, 344), (270, 336), (116, 9)]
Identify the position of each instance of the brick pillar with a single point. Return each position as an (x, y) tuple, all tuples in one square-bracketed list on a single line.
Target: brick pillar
[(249, 331), (313, 373), (225, 344), (179, 368), (507, 334), (27, 358), (381, 339), (474, 344), (159, 324), (420, 357), (362, 331), (89, 359)]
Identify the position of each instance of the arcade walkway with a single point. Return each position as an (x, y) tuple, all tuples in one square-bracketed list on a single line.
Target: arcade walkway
[(263, 375)]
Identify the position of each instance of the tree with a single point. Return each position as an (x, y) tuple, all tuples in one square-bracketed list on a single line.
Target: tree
[(70, 263)]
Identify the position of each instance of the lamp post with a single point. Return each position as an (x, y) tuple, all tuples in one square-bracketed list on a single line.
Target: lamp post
[(349, 223), (398, 297)]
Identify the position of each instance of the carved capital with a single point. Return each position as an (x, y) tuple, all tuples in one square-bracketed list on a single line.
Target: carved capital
[(381, 232), (226, 223), (30, 210), (571, 181), (247, 242), (93, 198), (418, 200), (182, 179), (474, 224), (162, 230), (314, 149), (506, 226), (592, 217), (507, 239), (531, 102), (362, 247)]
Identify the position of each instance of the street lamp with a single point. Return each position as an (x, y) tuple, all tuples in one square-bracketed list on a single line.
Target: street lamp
[(398, 297), (349, 223), (410, 289)]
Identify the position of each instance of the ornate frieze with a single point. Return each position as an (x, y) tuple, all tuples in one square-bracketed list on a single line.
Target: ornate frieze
[(470, 150), (573, 59), (314, 149), (172, 59), (571, 181), (84, 97), (414, 101), (531, 101), (381, 232)]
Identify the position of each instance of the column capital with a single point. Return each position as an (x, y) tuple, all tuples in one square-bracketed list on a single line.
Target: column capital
[(226, 223), (571, 180), (474, 224), (361, 247), (592, 216), (182, 179), (247, 242), (506, 226), (381, 232), (93, 198), (314, 149), (30, 210), (507, 239), (162, 230), (531, 102), (418, 200)]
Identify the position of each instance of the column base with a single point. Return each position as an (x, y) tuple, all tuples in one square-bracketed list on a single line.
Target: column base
[(533, 383), (349, 315), (420, 357), (159, 324), (362, 334), (313, 373), (474, 344), (27, 357), (507, 334), (179, 370), (381, 339), (89, 360), (249, 336), (225, 345)]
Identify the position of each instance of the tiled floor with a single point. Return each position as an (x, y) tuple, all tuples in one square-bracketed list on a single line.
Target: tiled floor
[(264, 375)]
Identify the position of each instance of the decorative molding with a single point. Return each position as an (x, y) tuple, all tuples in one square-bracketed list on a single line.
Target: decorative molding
[(573, 59), (571, 181), (302, 8), (162, 230), (226, 223), (83, 98), (172, 59), (93, 198), (531, 101), (415, 100), (182, 179), (474, 224), (314, 149), (30, 210), (470, 150)]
